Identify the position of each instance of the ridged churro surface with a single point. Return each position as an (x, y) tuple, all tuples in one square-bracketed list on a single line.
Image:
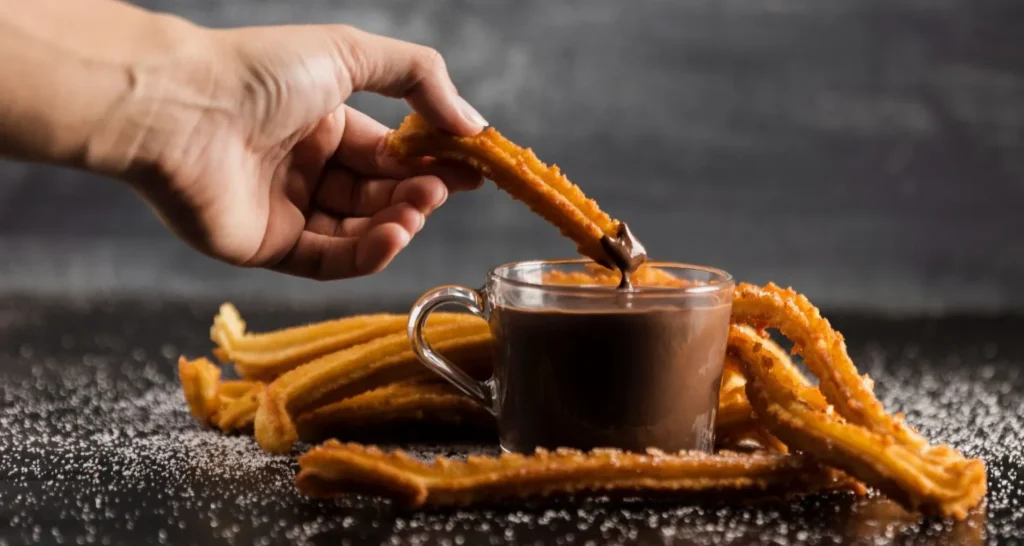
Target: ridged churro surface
[(337, 468), (517, 171), (846, 426)]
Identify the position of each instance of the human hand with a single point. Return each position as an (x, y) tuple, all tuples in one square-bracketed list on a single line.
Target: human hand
[(260, 163)]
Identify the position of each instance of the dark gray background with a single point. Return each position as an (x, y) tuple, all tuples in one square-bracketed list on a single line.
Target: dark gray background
[(868, 152)]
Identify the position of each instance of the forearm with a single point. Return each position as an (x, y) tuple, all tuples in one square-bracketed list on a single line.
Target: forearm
[(80, 80)]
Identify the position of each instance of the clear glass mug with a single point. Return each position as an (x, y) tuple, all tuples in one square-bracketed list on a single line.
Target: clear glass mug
[(589, 366)]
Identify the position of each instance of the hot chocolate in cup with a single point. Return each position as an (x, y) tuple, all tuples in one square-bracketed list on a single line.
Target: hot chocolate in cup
[(582, 364)]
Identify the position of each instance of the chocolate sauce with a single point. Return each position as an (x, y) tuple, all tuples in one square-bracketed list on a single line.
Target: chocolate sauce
[(626, 253), (626, 379)]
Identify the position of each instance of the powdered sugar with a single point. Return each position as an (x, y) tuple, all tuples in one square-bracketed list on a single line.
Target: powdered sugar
[(98, 448)]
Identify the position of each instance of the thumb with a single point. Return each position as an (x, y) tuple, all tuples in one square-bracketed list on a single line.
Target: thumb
[(416, 73)]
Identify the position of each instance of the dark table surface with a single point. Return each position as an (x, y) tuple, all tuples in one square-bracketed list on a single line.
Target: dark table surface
[(98, 447)]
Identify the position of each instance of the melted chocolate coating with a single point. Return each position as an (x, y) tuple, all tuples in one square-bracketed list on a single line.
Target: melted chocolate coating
[(626, 253)]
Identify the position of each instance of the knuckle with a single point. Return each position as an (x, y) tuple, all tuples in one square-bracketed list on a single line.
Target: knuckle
[(344, 30), (348, 43), (320, 270), (431, 62), (346, 35)]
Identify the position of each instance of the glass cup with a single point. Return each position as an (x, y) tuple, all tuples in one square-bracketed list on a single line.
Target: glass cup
[(588, 366)]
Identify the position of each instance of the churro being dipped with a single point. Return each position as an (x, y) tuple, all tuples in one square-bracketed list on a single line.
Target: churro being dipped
[(543, 188)]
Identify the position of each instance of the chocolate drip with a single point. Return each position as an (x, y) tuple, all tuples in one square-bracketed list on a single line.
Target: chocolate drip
[(626, 253)]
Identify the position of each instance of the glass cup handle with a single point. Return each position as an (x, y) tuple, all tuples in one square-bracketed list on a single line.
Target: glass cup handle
[(481, 392)]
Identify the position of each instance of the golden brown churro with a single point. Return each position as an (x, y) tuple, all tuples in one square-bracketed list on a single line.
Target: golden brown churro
[(335, 468), (858, 437), (417, 401), (268, 355), (736, 424), (647, 275), (405, 402), (199, 381), (517, 171), (824, 353), (428, 403), (733, 407), (736, 427), (344, 373), (207, 396), (239, 414)]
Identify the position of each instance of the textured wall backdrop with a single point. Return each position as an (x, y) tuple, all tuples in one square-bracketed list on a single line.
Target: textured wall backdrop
[(867, 152)]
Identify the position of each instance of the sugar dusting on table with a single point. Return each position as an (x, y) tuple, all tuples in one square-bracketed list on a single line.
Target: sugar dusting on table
[(98, 448)]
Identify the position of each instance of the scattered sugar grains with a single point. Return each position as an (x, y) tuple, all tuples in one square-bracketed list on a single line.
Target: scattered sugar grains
[(98, 448)]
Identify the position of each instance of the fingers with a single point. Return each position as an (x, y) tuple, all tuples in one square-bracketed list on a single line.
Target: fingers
[(341, 194), (379, 247), (402, 214), (330, 256), (456, 176), (359, 226), (413, 72), (362, 147), (362, 150)]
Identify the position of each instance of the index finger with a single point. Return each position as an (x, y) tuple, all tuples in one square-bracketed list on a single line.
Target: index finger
[(413, 72)]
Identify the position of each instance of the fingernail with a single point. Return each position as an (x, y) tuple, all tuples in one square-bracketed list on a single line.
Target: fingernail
[(423, 222), (469, 112), (441, 201)]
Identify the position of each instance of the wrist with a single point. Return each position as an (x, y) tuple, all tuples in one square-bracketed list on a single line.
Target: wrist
[(87, 83), (162, 94)]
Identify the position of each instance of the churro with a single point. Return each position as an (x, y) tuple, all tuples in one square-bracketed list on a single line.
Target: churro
[(206, 395), (264, 356), (646, 275), (517, 171), (411, 402), (467, 343), (335, 468), (844, 424)]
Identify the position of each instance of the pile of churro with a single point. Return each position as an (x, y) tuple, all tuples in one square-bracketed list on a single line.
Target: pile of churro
[(778, 433), (345, 374)]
